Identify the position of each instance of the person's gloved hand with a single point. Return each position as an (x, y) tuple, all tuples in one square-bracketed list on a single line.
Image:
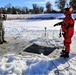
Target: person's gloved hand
[(60, 34), (55, 25)]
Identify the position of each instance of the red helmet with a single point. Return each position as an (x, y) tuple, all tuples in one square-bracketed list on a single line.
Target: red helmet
[(68, 11)]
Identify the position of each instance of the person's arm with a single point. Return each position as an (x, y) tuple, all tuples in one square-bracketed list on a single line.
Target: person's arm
[(57, 24)]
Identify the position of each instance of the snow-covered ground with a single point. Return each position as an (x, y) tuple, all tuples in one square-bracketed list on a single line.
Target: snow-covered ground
[(20, 34)]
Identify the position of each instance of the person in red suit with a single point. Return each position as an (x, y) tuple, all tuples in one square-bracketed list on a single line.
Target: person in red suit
[(67, 26)]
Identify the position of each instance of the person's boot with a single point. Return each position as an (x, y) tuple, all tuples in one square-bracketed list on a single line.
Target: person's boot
[(65, 55), (1, 42), (4, 41), (63, 51)]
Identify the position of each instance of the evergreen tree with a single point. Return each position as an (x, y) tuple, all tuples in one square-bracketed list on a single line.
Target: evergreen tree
[(27, 10)]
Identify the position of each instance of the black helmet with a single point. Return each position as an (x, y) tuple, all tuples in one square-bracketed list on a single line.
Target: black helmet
[(68, 11)]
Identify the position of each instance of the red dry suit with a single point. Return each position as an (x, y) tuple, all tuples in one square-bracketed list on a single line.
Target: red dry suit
[(68, 30)]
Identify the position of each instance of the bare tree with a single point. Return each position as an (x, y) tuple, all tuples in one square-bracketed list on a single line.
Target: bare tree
[(35, 8), (48, 7), (41, 9), (73, 4), (61, 4)]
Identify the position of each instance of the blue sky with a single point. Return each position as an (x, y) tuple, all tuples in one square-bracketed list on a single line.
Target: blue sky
[(26, 3)]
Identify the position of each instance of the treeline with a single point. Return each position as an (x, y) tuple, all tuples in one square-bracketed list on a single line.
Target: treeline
[(60, 4), (9, 9)]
